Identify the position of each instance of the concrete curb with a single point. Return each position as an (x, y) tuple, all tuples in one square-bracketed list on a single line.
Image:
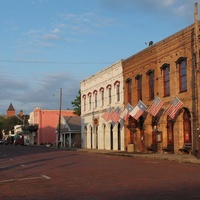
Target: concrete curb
[(180, 158)]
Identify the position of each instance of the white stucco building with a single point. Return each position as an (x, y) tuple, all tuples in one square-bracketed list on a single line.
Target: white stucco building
[(99, 92)]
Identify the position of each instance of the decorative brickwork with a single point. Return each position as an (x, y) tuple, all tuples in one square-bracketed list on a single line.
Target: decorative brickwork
[(166, 52)]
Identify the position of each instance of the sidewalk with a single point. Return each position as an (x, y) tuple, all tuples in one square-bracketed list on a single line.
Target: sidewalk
[(181, 158)]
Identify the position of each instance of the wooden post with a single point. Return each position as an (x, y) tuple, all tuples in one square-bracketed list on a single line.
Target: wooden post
[(59, 121)]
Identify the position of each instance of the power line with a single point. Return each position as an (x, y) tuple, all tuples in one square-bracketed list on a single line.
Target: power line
[(53, 62)]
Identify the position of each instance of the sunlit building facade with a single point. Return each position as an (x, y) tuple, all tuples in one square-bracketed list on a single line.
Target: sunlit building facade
[(99, 93)]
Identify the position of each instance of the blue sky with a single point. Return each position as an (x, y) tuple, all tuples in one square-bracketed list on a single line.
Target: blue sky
[(46, 45)]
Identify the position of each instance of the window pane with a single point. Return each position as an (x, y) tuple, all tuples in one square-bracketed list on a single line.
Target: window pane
[(151, 85), (102, 98), (118, 93), (166, 81), (139, 88), (109, 95), (182, 75), (129, 89)]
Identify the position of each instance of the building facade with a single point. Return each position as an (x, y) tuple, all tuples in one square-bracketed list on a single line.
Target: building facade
[(70, 131), (47, 121), (10, 111), (168, 70), (99, 93)]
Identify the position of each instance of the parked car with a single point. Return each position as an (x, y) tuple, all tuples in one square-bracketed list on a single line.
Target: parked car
[(2, 141), (19, 141), (9, 140)]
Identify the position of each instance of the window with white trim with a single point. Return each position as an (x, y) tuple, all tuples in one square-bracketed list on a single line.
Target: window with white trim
[(95, 99), (102, 96), (84, 102), (90, 101), (118, 92), (109, 95)]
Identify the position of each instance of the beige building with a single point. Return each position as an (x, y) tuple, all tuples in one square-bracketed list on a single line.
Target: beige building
[(100, 92)]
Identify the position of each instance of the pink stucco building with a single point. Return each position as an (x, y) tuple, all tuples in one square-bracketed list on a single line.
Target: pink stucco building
[(47, 121)]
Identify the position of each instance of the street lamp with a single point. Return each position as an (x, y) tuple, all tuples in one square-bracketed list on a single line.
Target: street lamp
[(59, 121)]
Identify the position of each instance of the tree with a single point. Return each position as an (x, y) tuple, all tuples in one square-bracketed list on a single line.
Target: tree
[(9, 123), (77, 104), (2, 120)]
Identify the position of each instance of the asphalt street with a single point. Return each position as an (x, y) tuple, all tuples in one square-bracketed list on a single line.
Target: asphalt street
[(46, 173)]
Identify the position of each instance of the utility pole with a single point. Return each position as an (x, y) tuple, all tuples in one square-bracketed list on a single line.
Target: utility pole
[(59, 121), (196, 24)]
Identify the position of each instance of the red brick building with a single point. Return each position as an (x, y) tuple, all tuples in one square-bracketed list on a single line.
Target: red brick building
[(10, 111), (167, 69)]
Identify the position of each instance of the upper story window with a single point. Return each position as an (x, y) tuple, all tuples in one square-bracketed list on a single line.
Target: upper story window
[(90, 100), (150, 75), (117, 87), (84, 102), (138, 79), (182, 66), (109, 94), (95, 98), (102, 96), (166, 79), (118, 92), (129, 90)]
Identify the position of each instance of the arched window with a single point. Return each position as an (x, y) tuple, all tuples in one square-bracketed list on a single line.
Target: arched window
[(109, 94), (84, 102), (166, 79), (117, 87), (90, 100), (150, 75), (102, 96), (138, 79), (129, 89), (182, 67), (95, 98)]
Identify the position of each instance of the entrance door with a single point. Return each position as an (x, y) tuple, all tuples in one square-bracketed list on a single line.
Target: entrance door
[(170, 132), (187, 127), (96, 137), (85, 137), (91, 137), (119, 136), (111, 136), (104, 135)]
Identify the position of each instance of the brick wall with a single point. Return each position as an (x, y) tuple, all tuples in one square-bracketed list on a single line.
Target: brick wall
[(167, 51)]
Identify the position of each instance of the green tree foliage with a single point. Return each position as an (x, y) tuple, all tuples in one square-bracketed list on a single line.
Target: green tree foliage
[(9, 123), (77, 104), (2, 120)]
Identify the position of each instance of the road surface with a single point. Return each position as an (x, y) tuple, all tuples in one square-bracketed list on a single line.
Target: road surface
[(35, 173)]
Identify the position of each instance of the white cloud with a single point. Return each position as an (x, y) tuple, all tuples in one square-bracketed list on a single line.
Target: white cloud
[(56, 30), (26, 95), (49, 36), (85, 22), (181, 10)]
